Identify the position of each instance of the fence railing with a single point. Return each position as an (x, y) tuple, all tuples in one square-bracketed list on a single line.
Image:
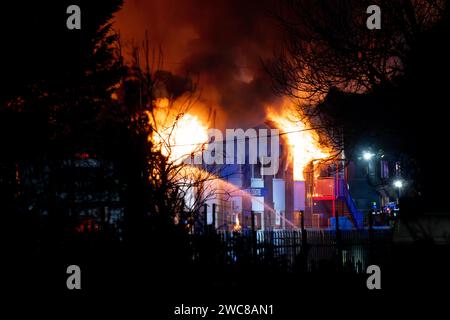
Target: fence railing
[(309, 251)]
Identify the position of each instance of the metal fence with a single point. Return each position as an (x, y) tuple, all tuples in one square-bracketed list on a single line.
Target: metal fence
[(313, 250)]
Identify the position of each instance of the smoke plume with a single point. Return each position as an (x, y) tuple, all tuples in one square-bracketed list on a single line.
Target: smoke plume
[(219, 43)]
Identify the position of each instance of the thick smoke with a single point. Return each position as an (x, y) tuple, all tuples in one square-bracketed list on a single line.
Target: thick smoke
[(221, 43)]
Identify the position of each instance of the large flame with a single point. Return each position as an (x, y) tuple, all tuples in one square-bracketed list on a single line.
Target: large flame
[(178, 135), (303, 141)]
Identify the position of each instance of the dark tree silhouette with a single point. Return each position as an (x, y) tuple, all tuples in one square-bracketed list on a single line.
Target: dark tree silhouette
[(381, 87), (329, 46), (57, 84)]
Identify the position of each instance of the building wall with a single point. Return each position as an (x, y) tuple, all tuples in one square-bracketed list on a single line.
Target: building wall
[(269, 197)]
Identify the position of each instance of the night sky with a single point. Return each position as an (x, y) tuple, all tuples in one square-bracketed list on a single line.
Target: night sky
[(220, 43)]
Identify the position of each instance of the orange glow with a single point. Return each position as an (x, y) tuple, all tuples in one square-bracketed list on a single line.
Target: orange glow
[(237, 225), (161, 103), (304, 145), (177, 134)]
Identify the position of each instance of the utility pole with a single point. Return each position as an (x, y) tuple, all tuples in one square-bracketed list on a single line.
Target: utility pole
[(205, 218), (304, 248), (214, 216), (336, 216), (254, 240), (370, 236)]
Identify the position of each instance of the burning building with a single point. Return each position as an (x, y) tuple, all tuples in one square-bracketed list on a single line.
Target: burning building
[(253, 199), (311, 197)]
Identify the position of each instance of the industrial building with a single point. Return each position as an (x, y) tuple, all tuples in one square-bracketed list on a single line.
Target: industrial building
[(249, 200)]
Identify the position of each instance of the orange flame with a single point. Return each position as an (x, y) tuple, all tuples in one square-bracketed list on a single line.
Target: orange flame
[(177, 135), (237, 225), (303, 141)]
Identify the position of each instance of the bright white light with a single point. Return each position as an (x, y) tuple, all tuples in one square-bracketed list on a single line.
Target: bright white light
[(398, 184), (367, 155)]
